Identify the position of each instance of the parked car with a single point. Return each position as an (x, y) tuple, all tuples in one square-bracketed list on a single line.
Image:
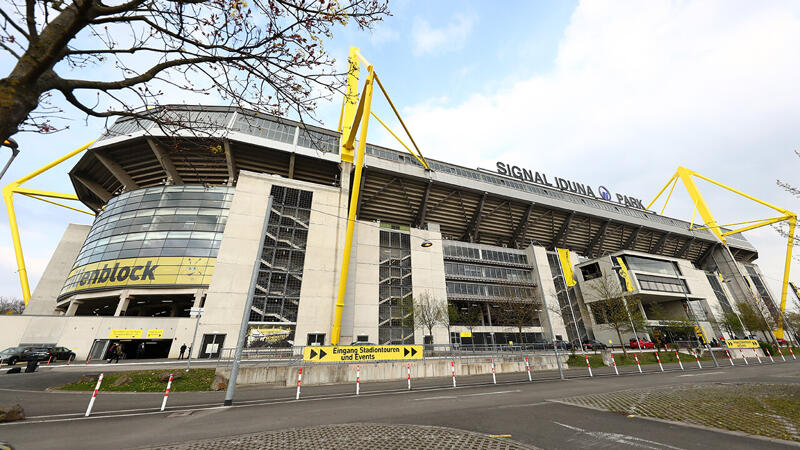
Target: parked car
[(594, 344), (562, 345), (61, 353), (13, 355), (641, 344)]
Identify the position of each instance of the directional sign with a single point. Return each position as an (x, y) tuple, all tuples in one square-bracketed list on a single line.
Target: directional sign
[(741, 343), (362, 353)]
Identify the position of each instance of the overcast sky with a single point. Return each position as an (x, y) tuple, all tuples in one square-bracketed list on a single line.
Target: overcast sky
[(612, 93)]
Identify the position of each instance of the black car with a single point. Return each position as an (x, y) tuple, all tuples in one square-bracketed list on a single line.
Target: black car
[(61, 353), (13, 355), (562, 345), (594, 344)]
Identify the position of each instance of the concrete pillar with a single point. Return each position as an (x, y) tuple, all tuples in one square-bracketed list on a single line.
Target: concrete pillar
[(124, 301), (547, 289), (198, 297), (73, 306)]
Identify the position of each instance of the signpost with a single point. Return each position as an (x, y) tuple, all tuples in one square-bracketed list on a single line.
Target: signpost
[(361, 353), (194, 312)]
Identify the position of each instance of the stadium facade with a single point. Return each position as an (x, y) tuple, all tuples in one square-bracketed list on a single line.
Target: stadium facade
[(179, 223)]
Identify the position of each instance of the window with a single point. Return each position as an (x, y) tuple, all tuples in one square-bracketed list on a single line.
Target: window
[(591, 271), (651, 265), (316, 339), (662, 284)]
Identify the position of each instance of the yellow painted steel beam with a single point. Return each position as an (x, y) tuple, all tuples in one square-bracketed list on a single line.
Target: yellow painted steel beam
[(8, 193), (755, 225), (702, 207), (57, 204), (364, 106), (669, 195), (349, 114), (396, 113), (662, 191), (40, 193), (421, 161), (734, 223), (786, 268)]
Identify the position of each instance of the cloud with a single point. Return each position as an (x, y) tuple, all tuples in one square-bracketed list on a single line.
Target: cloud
[(638, 88), (429, 40)]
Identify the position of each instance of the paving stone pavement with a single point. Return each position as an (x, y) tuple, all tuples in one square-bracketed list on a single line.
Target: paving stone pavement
[(357, 436), (764, 409)]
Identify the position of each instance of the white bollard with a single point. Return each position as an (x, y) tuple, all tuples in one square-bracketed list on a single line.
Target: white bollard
[(358, 378), (755, 352), (639, 366), (614, 363), (769, 354), (744, 357), (94, 395), (166, 393), (528, 368), (696, 358), (659, 361), (494, 377), (729, 357), (453, 365), (678, 357), (792, 352), (589, 366), (299, 378), (409, 376), (781, 353)]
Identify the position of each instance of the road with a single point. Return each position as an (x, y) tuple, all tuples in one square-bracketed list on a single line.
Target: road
[(526, 411)]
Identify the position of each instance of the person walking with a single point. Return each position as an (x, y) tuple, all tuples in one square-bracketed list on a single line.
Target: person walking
[(183, 350), (116, 353)]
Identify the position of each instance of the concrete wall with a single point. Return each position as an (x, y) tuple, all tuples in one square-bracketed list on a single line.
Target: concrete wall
[(427, 275), (547, 289), (360, 312), (43, 300), (318, 374)]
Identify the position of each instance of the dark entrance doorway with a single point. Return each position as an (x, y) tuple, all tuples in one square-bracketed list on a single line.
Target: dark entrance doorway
[(211, 345), (142, 348)]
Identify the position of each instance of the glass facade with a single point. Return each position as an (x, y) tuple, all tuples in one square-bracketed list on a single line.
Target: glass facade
[(567, 297), (661, 284), (651, 265), (273, 315), (719, 293), (395, 305), (163, 235), (763, 292)]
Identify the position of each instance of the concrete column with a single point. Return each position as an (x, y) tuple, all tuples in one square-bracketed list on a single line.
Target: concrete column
[(124, 301), (73, 306), (198, 298), (547, 289)]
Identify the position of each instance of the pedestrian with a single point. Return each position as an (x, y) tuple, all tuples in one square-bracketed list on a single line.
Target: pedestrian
[(111, 352), (183, 350), (140, 350), (116, 353)]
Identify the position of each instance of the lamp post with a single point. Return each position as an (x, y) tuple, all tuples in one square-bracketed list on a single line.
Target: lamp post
[(197, 312), (12, 144), (689, 307)]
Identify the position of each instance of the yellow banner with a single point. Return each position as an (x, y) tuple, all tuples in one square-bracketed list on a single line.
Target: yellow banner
[(166, 270), (126, 333), (155, 334), (566, 266), (466, 334), (702, 336), (623, 272), (362, 353), (741, 343)]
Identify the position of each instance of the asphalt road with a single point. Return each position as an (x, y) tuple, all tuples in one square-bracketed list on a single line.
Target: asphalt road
[(524, 410)]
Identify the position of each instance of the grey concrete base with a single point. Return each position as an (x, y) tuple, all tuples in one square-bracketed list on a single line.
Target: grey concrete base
[(320, 374)]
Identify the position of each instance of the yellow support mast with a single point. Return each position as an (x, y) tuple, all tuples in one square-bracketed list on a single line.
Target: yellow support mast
[(356, 110), (687, 177), (15, 188)]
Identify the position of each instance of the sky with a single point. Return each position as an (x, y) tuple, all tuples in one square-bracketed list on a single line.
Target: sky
[(612, 93)]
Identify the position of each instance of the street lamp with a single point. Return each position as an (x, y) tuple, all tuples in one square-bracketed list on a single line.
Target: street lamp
[(12, 144), (426, 243)]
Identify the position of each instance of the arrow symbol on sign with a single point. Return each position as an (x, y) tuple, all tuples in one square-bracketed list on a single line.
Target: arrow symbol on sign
[(313, 353), (322, 353), (405, 352), (413, 351)]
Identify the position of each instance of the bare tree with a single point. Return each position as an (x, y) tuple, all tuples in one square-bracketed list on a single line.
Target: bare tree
[(11, 305), (265, 55), (429, 313), (521, 313), (614, 308), (755, 320)]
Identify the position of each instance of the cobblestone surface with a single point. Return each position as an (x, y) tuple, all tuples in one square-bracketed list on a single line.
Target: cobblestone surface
[(771, 410), (357, 436)]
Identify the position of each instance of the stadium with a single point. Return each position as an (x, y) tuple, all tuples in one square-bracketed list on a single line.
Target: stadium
[(178, 220)]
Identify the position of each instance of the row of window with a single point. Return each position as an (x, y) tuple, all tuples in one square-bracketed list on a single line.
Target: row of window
[(489, 272), (662, 284), (464, 289), (459, 250)]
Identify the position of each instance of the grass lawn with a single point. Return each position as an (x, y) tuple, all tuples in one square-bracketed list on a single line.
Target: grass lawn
[(577, 359), (147, 381)]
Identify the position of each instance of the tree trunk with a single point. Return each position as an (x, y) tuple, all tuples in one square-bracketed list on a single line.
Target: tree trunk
[(624, 352), (17, 99)]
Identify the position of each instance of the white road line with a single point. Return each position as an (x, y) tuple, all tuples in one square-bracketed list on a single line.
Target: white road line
[(618, 438), (525, 405), (697, 374), (488, 393), (440, 397)]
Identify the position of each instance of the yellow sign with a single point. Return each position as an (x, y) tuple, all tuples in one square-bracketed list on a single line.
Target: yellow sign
[(700, 334), (155, 334), (126, 333), (167, 270), (741, 343), (623, 272), (566, 266), (362, 353), (466, 334)]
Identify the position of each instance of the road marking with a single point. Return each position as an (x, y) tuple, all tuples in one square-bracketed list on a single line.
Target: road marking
[(618, 438), (441, 397), (697, 374), (499, 435), (521, 406), (435, 398), (489, 393)]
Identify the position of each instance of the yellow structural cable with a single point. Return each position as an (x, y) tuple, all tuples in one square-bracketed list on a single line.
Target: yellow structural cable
[(685, 175), (14, 188)]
